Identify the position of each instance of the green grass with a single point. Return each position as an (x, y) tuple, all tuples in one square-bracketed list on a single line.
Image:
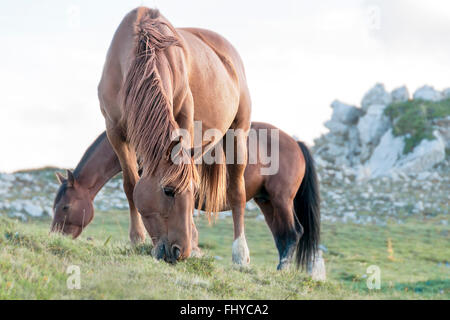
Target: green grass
[(33, 263), (412, 119)]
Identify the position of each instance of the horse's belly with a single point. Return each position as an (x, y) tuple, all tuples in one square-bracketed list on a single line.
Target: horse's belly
[(216, 108)]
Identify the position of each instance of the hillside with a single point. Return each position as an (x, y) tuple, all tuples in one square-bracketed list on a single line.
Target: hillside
[(384, 172)]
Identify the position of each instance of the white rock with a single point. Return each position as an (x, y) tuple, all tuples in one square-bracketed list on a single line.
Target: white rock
[(446, 93), (419, 206), (388, 156), (32, 209), (423, 175), (385, 155), (373, 125), (260, 217), (225, 214), (336, 127), (376, 95), (400, 94), (19, 215), (424, 156), (345, 113), (251, 206), (7, 177), (428, 93), (443, 126)]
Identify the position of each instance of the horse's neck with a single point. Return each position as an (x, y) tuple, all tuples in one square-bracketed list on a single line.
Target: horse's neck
[(98, 165)]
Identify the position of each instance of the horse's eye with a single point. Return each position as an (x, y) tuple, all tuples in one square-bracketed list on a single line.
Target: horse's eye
[(169, 191), (65, 208)]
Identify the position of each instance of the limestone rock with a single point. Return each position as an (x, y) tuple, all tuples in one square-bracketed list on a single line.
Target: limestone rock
[(384, 156), (345, 113), (424, 156), (371, 128), (428, 93), (377, 95), (400, 94)]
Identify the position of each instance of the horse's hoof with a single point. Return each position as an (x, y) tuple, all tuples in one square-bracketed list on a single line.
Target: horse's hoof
[(283, 265), (240, 252)]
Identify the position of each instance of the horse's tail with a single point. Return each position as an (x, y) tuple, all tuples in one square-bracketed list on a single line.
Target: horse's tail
[(307, 211), (213, 185)]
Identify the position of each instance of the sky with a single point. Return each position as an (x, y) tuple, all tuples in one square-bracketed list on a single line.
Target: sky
[(299, 56)]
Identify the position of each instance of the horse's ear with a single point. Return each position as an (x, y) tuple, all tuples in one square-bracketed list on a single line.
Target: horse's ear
[(70, 179), (60, 177)]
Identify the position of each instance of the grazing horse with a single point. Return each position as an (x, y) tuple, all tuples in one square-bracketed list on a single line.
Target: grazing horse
[(157, 80), (289, 199)]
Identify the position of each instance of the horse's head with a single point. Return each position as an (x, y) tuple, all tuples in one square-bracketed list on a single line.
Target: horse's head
[(73, 209), (165, 199)]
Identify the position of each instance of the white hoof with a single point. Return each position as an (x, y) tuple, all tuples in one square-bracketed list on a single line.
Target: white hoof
[(240, 252)]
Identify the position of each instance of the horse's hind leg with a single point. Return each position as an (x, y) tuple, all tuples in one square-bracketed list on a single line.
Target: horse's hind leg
[(279, 216), (128, 163)]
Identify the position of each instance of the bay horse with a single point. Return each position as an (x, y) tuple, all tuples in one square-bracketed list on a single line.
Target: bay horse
[(156, 80), (289, 199)]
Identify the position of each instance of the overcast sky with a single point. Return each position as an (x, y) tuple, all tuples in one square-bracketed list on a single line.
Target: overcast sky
[(299, 56)]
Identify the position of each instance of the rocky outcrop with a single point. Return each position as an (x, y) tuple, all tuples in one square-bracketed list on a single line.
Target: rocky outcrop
[(376, 95), (428, 93), (363, 140)]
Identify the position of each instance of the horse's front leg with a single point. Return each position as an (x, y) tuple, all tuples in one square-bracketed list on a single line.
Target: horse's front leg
[(128, 163), (237, 198)]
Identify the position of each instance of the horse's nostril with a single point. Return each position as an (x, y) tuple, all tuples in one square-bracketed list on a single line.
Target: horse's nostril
[(176, 252)]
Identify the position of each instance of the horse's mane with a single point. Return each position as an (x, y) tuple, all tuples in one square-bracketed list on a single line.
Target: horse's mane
[(147, 110)]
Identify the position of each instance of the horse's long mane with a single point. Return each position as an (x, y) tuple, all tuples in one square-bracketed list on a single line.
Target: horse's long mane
[(147, 110)]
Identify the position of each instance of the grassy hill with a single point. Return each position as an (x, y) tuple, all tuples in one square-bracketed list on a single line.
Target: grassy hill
[(413, 258)]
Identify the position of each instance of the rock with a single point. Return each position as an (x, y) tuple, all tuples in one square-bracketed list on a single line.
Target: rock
[(428, 93), (400, 94), (354, 146), (423, 175), (316, 269), (376, 95), (384, 156), (260, 217), (33, 210), (419, 207), (443, 126), (345, 113), (424, 156), (371, 128), (251, 206), (446, 93), (337, 128), (388, 156), (7, 177)]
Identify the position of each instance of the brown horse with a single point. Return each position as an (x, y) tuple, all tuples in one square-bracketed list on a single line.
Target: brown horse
[(279, 196), (157, 80)]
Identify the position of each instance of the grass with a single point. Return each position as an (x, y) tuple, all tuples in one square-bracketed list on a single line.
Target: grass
[(412, 119), (33, 263)]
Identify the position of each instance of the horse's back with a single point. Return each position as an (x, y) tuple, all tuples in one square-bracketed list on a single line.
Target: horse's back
[(210, 51), (291, 161)]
